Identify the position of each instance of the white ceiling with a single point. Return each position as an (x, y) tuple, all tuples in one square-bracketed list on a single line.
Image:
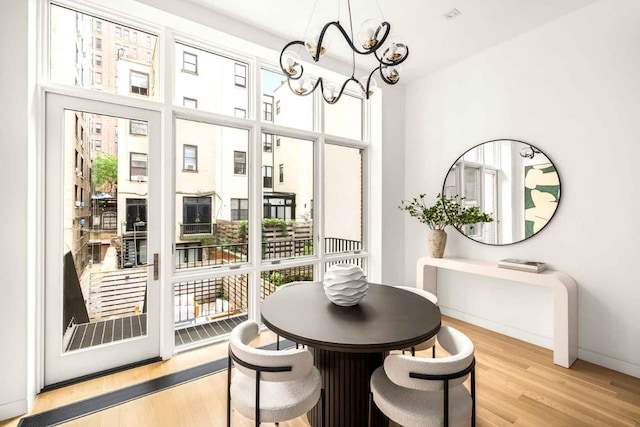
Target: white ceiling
[(434, 41)]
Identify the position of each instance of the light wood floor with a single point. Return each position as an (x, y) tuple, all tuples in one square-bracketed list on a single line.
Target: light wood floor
[(517, 384)]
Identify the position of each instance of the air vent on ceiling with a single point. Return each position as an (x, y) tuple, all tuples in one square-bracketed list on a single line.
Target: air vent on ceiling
[(451, 13)]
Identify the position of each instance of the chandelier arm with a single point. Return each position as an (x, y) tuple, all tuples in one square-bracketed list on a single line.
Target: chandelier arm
[(307, 92), (383, 62), (336, 24), (366, 91)]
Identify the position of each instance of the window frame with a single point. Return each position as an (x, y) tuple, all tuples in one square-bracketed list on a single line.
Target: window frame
[(237, 212), (239, 168), (185, 165), (240, 80), (139, 177), (186, 100), (131, 86), (185, 62)]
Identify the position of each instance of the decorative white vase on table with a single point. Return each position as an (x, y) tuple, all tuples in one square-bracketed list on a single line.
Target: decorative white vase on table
[(345, 284)]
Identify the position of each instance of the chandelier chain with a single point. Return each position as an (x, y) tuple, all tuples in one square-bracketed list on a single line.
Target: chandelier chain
[(353, 53)]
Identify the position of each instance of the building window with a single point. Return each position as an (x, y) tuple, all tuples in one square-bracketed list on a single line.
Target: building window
[(267, 109), (118, 32), (148, 43), (240, 112), (98, 127), (148, 56), (267, 142), (138, 128), (267, 176), (98, 26), (139, 83), (281, 172), (138, 167), (240, 162), (190, 102), (134, 37), (239, 209), (278, 142), (98, 61), (97, 145), (97, 43), (126, 34), (136, 215), (134, 53), (189, 62), (281, 206), (241, 75), (277, 107), (97, 78), (196, 215), (190, 157)]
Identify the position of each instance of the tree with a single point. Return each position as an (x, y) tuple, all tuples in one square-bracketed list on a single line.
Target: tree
[(105, 173)]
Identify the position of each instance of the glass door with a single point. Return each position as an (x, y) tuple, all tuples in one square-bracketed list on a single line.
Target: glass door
[(102, 228)]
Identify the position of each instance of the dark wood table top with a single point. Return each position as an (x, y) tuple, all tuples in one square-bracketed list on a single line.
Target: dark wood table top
[(387, 318)]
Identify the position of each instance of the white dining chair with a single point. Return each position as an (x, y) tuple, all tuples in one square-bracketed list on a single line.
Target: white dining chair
[(414, 391), (431, 342), (270, 386)]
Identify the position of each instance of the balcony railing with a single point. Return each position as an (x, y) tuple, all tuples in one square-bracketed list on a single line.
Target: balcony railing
[(335, 244), (197, 228), (210, 255)]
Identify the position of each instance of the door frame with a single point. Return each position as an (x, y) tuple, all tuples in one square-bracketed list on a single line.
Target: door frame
[(110, 355)]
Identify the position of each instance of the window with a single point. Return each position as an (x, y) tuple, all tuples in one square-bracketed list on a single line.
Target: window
[(190, 62), (97, 145), (148, 42), (98, 26), (190, 157), (267, 176), (267, 108), (118, 32), (190, 102), (281, 172), (280, 206), (136, 215), (239, 162), (239, 209), (126, 34), (97, 78), (137, 128), (277, 142), (134, 37), (196, 215), (241, 75), (138, 167), (98, 128), (278, 107), (134, 53), (98, 61), (148, 56), (97, 43), (240, 112), (267, 142), (139, 83)]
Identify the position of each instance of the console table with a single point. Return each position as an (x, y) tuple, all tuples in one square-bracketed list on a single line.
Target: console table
[(565, 296)]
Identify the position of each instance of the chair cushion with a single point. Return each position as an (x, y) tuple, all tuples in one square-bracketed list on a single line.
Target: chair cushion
[(279, 401), (409, 407)]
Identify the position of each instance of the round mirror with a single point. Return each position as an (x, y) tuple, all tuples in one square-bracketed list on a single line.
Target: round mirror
[(512, 181)]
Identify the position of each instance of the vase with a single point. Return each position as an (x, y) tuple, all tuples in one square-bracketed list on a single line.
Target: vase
[(437, 241), (345, 284)]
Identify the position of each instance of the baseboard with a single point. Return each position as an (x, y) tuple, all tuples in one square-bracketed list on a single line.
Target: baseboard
[(609, 362), (13, 409), (500, 328)]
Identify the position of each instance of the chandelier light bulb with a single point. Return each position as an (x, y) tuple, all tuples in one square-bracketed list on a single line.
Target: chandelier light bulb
[(291, 62), (369, 33), (391, 72), (311, 42), (396, 51), (373, 86), (330, 92), (302, 85)]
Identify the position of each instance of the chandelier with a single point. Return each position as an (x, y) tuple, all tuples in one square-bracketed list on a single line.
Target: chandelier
[(370, 40)]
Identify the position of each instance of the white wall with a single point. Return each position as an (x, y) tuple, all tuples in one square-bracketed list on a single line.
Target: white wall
[(571, 88), (17, 266)]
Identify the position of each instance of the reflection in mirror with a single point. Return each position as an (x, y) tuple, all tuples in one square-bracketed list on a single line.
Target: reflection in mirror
[(513, 181)]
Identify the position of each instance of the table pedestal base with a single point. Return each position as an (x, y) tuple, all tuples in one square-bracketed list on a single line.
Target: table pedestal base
[(345, 379)]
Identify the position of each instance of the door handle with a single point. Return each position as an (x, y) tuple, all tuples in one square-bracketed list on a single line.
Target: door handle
[(156, 263)]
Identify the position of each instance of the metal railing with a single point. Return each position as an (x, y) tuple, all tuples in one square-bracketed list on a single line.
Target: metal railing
[(335, 244), (197, 228), (286, 248), (210, 255)]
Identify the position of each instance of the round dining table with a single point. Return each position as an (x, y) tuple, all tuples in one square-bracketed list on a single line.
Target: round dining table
[(349, 343)]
